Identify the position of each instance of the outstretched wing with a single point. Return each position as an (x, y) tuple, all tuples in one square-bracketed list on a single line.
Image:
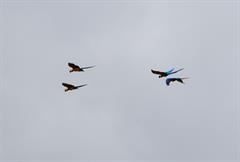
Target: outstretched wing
[(157, 72), (170, 71), (81, 85), (72, 65), (87, 67), (68, 85), (169, 80)]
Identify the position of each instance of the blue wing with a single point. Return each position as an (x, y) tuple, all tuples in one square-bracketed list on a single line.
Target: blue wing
[(168, 80), (170, 71)]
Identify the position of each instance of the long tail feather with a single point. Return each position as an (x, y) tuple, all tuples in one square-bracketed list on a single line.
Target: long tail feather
[(88, 67), (81, 85), (177, 71)]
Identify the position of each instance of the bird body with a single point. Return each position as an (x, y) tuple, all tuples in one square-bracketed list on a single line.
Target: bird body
[(166, 73), (71, 87), (76, 68), (169, 80)]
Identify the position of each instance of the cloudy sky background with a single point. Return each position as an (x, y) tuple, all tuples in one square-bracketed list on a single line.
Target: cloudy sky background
[(125, 112)]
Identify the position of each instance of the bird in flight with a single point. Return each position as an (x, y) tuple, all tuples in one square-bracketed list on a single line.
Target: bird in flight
[(165, 73), (71, 87), (76, 68), (169, 80)]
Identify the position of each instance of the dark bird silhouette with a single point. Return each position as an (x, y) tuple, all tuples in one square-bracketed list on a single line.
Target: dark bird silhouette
[(169, 80), (166, 73), (76, 68), (71, 87)]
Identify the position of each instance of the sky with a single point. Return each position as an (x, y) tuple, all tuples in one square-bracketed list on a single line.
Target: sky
[(125, 112)]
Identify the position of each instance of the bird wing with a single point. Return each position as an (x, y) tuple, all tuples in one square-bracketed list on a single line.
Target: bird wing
[(68, 85), (157, 72), (88, 67), (169, 80), (81, 85), (169, 71), (72, 65)]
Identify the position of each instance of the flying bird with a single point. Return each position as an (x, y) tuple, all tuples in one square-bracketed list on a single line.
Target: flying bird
[(71, 87), (166, 73), (76, 68), (169, 80)]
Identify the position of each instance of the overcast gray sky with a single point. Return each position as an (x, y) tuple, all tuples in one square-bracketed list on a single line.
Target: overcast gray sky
[(125, 112)]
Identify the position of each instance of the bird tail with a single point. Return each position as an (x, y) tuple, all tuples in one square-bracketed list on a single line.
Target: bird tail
[(184, 79), (88, 67), (81, 86), (177, 71)]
